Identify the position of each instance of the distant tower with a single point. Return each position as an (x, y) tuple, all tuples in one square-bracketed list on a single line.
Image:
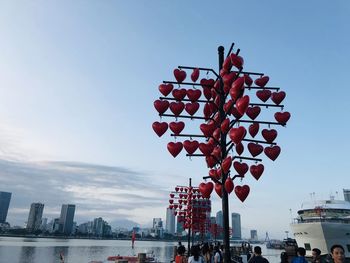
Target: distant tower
[(170, 221), (66, 219), (236, 226), (253, 235), (158, 227), (5, 199), (346, 193), (179, 225), (35, 216), (219, 218)]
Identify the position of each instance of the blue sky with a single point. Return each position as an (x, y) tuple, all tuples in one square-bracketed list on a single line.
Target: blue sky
[(77, 85)]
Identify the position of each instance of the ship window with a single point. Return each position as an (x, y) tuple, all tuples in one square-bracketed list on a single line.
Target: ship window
[(307, 246), (348, 247)]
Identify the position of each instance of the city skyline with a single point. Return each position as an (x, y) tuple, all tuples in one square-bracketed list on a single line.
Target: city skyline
[(78, 81)]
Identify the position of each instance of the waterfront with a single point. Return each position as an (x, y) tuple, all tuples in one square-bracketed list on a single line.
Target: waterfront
[(46, 250)]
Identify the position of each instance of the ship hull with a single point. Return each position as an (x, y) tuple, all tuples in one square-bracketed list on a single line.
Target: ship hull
[(322, 235)]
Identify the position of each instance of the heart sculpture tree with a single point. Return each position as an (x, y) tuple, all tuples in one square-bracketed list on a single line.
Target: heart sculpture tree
[(229, 108), (192, 209)]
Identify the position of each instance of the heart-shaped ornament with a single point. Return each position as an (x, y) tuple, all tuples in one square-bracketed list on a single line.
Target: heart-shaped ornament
[(190, 146), (229, 185), (195, 74), (237, 88), (218, 189), (255, 149), (272, 152), (282, 117), (227, 65), (242, 192), (207, 129), (177, 107), (160, 127), (239, 148), (193, 94), (176, 127), (269, 135), (254, 129), (237, 134), (207, 110), (225, 125), (180, 75), (241, 168), (228, 78), (262, 81), (248, 80), (226, 164), (256, 170), (191, 108), (210, 160), (278, 97), (237, 61), (161, 106), (174, 148), (206, 189), (179, 94), (263, 95), (253, 112), (165, 89), (206, 149), (242, 104)]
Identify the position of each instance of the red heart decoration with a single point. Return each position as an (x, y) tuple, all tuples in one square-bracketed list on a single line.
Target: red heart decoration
[(262, 81), (269, 135), (176, 189), (171, 201), (255, 149), (160, 127), (213, 174), (179, 94), (237, 134), (175, 148), (177, 107), (237, 61), (278, 97), (180, 75), (248, 80), (207, 93), (216, 134), (239, 148), (171, 206), (177, 127), (206, 149), (257, 170), (228, 78), (207, 83), (211, 162), (263, 95), (195, 74), (217, 152), (218, 189), (242, 104), (253, 112), (165, 89), (206, 189), (235, 113), (227, 65), (172, 195), (241, 168), (226, 164), (237, 88), (242, 192), (229, 185), (282, 117), (272, 152), (190, 146), (225, 125), (207, 111), (161, 105), (207, 129), (254, 129), (228, 106), (191, 108), (194, 94)]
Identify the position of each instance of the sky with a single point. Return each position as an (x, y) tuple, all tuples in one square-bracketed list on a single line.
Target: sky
[(77, 85)]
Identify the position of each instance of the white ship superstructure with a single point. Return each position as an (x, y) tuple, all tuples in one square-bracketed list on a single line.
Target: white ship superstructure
[(321, 224)]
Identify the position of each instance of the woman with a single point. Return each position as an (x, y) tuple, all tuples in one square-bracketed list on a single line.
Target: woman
[(338, 253), (196, 257), (180, 257), (206, 253)]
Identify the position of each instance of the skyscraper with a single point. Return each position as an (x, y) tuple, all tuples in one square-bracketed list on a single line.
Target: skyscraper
[(253, 235), (66, 219), (5, 199), (170, 221), (219, 218), (35, 216), (236, 226)]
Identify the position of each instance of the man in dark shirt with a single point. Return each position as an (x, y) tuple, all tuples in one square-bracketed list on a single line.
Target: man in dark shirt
[(257, 258)]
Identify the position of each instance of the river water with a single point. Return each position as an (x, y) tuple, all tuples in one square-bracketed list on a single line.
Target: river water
[(47, 250)]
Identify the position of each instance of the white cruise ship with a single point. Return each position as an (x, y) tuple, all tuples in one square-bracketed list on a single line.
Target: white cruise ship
[(321, 224)]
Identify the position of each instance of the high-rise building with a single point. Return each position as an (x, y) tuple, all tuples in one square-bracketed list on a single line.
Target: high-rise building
[(5, 199), (170, 221), (236, 226), (157, 229), (219, 218), (66, 219), (179, 225), (346, 193), (35, 216), (254, 235)]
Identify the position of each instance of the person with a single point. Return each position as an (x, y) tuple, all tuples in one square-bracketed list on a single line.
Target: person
[(195, 255), (180, 257), (257, 257), (284, 257), (316, 255), (338, 253), (61, 257), (206, 253), (300, 258), (217, 255)]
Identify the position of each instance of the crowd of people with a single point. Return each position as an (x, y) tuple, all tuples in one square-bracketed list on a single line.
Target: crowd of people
[(213, 253)]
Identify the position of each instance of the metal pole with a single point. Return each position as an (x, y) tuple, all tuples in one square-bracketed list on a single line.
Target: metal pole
[(225, 207), (189, 228)]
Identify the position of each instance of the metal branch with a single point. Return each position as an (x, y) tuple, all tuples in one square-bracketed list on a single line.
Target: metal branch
[(251, 140), (215, 180), (229, 51), (165, 98), (260, 122), (266, 105), (184, 83), (184, 116), (269, 88), (206, 69), (246, 158)]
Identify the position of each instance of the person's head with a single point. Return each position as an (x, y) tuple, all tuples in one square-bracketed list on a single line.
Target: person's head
[(195, 252), (181, 250), (284, 257), (216, 248), (301, 252), (257, 250), (205, 248), (316, 253), (338, 253)]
